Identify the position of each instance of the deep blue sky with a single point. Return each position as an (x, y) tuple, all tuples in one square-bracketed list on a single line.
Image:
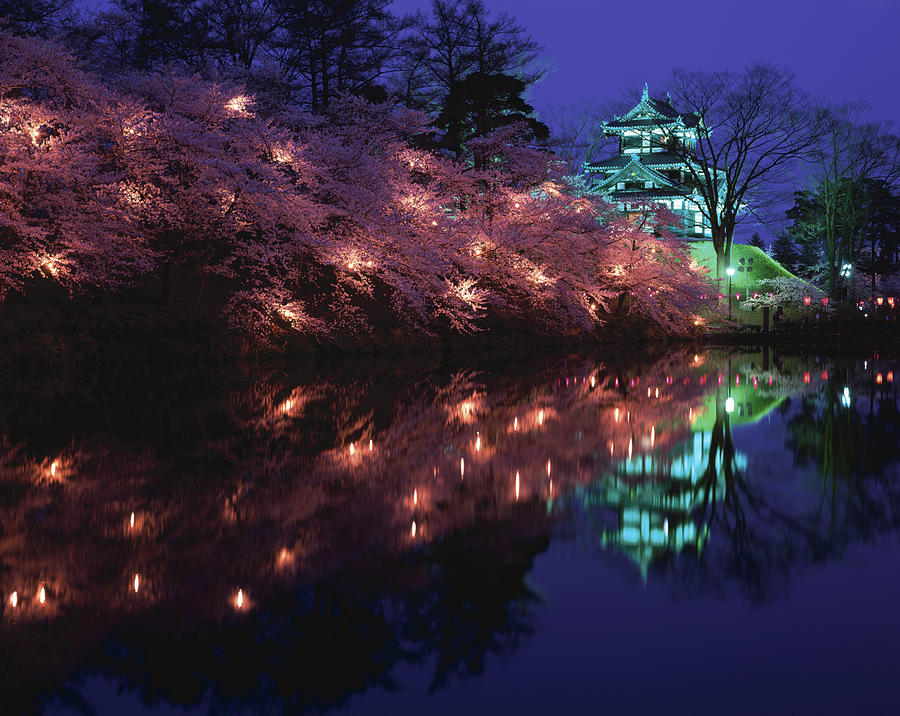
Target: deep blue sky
[(839, 50)]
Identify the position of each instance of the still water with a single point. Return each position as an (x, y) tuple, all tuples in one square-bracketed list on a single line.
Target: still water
[(705, 531)]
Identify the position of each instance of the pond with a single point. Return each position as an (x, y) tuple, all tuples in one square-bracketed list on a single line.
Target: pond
[(707, 530)]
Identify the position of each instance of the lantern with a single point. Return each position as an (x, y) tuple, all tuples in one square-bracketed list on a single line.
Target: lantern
[(807, 300), (891, 302), (880, 300), (825, 301)]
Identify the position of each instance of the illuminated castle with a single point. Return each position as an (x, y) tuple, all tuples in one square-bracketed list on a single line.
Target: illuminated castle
[(654, 164)]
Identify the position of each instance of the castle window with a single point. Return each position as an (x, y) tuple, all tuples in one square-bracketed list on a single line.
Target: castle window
[(632, 144)]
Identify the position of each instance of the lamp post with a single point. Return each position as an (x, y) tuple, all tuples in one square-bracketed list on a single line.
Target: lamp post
[(730, 272), (846, 272), (746, 265)]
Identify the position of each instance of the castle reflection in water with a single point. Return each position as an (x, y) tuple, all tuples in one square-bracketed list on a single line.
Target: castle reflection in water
[(200, 503)]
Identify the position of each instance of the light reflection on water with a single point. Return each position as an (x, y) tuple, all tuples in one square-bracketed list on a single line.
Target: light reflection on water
[(338, 527)]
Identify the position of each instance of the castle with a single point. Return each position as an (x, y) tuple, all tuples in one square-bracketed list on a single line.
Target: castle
[(655, 164)]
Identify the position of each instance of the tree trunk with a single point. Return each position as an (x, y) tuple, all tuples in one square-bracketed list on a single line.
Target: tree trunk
[(166, 295)]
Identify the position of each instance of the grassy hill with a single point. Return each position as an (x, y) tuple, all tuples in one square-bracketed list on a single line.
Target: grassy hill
[(764, 266)]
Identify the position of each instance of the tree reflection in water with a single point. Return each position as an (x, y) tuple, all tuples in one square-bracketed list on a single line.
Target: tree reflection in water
[(281, 540)]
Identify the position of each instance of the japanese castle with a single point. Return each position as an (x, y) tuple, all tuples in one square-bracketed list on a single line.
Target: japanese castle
[(647, 170)]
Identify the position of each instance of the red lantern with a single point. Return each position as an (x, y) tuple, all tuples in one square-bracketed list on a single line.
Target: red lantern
[(825, 301), (807, 300), (756, 294), (890, 376), (880, 300), (879, 379), (806, 377), (824, 375), (891, 302), (738, 296)]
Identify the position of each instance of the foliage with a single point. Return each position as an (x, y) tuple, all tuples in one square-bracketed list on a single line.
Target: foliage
[(482, 103), (754, 125), (784, 292), (323, 226), (857, 166), (756, 240)]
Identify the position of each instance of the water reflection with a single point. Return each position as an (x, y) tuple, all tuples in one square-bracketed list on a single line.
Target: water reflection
[(311, 533)]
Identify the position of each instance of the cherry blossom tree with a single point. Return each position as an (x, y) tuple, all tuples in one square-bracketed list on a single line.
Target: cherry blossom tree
[(325, 227)]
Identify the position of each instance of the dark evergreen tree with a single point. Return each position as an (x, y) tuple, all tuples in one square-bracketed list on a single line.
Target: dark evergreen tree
[(756, 240), (328, 47), (458, 40), (785, 252), (482, 103)]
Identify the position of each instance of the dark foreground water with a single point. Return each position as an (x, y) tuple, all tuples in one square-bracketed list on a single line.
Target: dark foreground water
[(706, 532)]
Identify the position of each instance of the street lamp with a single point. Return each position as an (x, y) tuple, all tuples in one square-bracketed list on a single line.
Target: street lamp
[(746, 265), (730, 272)]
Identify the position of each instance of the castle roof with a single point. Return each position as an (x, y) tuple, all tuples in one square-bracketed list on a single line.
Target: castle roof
[(657, 160), (651, 112)]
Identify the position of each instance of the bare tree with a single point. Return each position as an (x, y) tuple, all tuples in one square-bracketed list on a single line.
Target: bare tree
[(32, 17), (460, 38), (850, 157), (753, 126), (576, 134)]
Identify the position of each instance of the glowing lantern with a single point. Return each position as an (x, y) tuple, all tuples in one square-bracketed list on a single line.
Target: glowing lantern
[(729, 405), (462, 468), (239, 599), (825, 301), (137, 583), (738, 296), (891, 301), (370, 446), (14, 600), (412, 530), (352, 449), (132, 520), (517, 486), (541, 417), (415, 496), (879, 379), (890, 376), (548, 468), (806, 377), (824, 375), (42, 595), (807, 300), (880, 300)]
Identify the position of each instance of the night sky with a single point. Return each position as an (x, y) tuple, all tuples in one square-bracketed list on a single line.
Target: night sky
[(839, 50)]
